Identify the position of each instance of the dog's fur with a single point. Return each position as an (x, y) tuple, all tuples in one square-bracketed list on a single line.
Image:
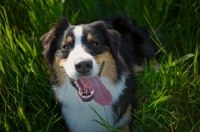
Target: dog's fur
[(137, 45), (108, 48)]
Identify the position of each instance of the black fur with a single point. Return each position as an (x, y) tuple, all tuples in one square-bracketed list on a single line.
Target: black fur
[(135, 40)]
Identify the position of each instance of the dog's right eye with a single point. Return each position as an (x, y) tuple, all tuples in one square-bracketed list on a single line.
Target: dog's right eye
[(66, 47)]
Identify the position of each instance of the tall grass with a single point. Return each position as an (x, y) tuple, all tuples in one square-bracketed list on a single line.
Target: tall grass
[(168, 98)]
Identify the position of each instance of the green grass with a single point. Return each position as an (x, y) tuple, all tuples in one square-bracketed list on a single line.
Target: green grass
[(168, 99)]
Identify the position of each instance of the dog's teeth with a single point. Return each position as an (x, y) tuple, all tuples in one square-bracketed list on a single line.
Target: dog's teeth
[(88, 92)]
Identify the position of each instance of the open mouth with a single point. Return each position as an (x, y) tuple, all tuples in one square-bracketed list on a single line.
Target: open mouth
[(84, 90), (92, 88)]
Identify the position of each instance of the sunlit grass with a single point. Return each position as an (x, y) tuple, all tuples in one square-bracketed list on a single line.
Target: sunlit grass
[(168, 98)]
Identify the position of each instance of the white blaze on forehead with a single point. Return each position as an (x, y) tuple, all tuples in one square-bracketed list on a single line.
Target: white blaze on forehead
[(78, 50), (78, 33)]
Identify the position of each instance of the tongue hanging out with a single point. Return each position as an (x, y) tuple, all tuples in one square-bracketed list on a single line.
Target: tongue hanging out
[(89, 88)]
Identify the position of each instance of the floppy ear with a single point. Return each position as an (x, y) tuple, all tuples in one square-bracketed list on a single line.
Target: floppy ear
[(46, 38), (51, 39), (49, 46), (115, 41), (122, 24)]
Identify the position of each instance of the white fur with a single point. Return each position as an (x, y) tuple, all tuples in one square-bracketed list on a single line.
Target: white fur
[(78, 33), (78, 114)]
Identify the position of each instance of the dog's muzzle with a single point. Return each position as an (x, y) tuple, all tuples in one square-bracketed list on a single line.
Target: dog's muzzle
[(85, 94)]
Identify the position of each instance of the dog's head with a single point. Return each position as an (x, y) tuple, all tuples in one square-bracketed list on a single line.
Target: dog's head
[(82, 53)]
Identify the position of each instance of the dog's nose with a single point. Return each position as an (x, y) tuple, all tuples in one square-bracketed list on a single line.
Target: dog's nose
[(83, 65)]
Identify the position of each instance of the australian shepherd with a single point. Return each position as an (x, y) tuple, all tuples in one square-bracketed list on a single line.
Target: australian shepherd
[(91, 71)]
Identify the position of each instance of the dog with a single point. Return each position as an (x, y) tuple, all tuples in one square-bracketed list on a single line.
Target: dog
[(91, 67)]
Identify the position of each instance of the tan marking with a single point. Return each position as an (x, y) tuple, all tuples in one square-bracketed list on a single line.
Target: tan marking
[(128, 113), (126, 128), (62, 61), (58, 67), (89, 37), (110, 68), (153, 62), (69, 39), (137, 68)]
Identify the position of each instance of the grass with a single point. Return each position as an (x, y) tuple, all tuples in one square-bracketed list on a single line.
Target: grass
[(168, 99)]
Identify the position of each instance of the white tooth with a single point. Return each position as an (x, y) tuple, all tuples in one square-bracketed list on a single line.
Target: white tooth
[(92, 92)]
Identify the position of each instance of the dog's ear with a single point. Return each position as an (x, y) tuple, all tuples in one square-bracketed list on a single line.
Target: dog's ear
[(46, 38), (115, 41), (51, 39), (122, 24)]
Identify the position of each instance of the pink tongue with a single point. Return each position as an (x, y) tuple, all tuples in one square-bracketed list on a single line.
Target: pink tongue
[(101, 93)]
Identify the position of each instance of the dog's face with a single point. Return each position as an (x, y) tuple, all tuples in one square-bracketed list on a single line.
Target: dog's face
[(82, 53)]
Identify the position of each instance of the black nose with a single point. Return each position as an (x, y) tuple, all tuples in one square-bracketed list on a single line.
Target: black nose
[(83, 65)]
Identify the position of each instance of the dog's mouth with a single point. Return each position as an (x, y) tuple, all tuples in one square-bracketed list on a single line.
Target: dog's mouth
[(92, 88), (83, 88)]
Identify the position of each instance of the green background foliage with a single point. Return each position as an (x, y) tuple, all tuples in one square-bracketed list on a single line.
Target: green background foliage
[(168, 98)]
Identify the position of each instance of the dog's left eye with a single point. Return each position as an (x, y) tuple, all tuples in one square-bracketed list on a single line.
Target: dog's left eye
[(95, 44)]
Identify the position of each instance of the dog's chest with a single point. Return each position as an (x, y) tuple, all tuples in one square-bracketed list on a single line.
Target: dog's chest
[(84, 116)]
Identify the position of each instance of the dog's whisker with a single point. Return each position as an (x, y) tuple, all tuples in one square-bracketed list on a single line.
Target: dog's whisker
[(101, 68)]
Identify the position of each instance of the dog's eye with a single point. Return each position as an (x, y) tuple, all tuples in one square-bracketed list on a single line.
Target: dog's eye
[(95, 44), (66, 47)]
